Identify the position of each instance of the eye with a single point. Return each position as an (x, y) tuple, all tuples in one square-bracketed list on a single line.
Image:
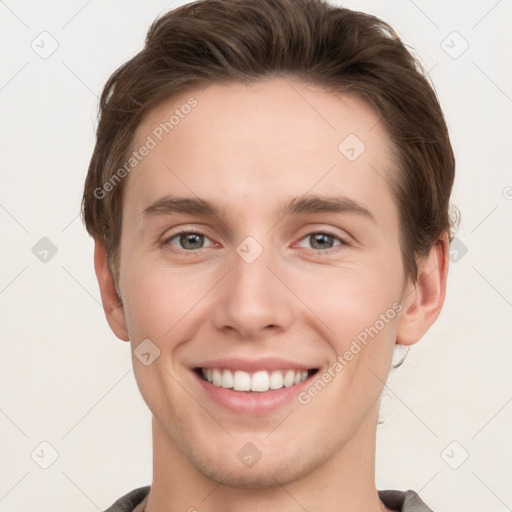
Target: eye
[(189, 240), (322, 240)]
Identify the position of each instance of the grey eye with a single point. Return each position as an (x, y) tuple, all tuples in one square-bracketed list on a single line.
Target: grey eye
[(189, 240), (321, 241)]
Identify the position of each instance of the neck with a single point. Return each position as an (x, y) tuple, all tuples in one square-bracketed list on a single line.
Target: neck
[(344, 482)]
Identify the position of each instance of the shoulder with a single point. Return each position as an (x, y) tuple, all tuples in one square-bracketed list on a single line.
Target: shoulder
[(407, 501), (129, 501)]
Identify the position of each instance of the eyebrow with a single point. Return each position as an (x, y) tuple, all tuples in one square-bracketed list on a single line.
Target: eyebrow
[(194, 205), (325, 204), (301, 205)]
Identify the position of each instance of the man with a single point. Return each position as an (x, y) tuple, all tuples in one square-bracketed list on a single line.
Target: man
[(269, 198)]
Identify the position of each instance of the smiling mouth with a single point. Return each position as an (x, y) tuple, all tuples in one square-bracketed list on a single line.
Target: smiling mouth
[(258, 381)]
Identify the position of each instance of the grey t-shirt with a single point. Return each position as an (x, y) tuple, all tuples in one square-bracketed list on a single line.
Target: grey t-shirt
[(407, 501)]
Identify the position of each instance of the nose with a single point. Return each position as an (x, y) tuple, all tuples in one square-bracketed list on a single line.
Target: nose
[(253, 300)]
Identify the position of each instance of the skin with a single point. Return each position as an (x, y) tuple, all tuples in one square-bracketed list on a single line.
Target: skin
[(250, 149)]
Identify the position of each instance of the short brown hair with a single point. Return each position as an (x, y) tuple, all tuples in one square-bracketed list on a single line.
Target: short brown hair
[(344, 51)]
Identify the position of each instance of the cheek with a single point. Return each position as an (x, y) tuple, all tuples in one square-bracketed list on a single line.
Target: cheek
[(159, 307), (361, 311), (362, 316), (352, 297), (159, 298)]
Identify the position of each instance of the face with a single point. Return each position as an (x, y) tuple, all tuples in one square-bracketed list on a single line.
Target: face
[(260, 251)]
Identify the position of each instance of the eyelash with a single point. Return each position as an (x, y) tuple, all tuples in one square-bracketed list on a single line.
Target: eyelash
[(342, 240), (185, 232)]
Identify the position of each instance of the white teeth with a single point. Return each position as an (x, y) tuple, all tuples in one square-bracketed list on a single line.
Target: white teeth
[(241, 381), (276, 380), (259, 381), (217, 377), (227, 379), (288, 378)]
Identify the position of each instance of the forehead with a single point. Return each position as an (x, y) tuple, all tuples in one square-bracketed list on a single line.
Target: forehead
[(280, 136)]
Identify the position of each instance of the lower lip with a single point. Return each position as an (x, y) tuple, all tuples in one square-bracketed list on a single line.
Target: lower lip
[(252, 403)]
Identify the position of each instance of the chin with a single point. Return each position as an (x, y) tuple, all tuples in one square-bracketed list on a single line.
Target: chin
[(242, 478), (275, 471)]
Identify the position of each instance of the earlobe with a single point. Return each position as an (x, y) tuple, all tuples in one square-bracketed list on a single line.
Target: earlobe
[(423, 302), (112, 305)]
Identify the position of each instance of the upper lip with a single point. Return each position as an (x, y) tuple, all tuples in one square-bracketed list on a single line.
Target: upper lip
[(252, 365)]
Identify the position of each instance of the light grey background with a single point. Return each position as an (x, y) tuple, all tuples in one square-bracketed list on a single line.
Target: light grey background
[(67, 381)]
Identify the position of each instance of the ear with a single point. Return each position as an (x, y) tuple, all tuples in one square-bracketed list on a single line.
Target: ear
[(112, 305), (423, 300)]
